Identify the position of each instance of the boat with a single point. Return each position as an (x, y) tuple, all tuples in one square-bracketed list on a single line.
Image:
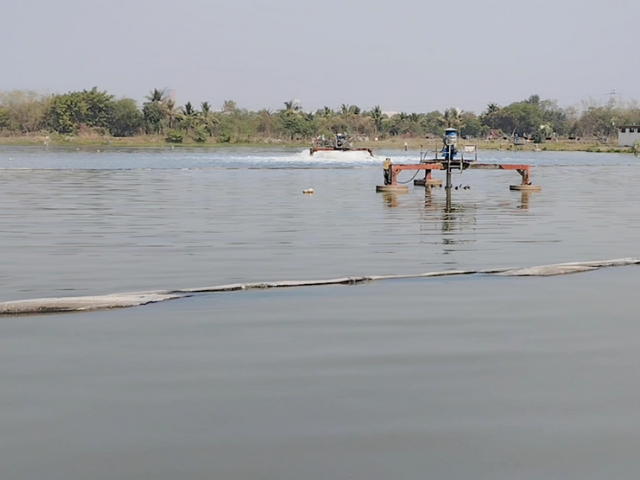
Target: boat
[(339, 143)]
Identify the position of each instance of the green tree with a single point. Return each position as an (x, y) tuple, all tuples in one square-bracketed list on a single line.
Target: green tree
[(188, 118), (266, 122), (291, 108), (172, 114), (490, 115), (347, 110), (127, 119), (296, 126), (155, 96), (5, 119), (207, 117), (533, 100), (452, 118), (26, 110), (325, 112), (154, 111), (66, 113), (376, 116), (472, 126), (99, 108)]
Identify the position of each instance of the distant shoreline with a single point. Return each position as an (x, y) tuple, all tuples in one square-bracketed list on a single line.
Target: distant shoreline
[(151, 141)]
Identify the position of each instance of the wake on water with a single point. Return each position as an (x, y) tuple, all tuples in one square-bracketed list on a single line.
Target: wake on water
[(335, 157)]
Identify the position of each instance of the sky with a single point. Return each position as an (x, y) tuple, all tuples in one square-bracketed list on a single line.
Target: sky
[(403, 55)]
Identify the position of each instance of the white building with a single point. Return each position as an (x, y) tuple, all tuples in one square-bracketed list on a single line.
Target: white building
[(627, 135)]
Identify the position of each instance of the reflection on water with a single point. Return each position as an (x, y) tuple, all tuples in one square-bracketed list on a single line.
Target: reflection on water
[(524, 200), (444, 211), (390, 199)]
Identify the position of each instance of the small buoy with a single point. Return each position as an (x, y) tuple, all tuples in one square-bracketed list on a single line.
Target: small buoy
[(308, 191)]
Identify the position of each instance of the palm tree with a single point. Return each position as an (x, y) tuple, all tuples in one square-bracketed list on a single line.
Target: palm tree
[(171, 112), (205, 107), (452, 118), (154, 112), (188, 110), (229, 106), (347, 110), (493, 110), (207, 117), (377, 117), (156, 96), (188, 117), (325, 112), (291, 107)]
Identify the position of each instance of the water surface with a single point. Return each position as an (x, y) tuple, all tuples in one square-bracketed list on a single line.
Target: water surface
[(472, 377)]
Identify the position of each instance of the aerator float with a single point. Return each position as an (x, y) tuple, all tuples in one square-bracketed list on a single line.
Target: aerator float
[(447, 159)]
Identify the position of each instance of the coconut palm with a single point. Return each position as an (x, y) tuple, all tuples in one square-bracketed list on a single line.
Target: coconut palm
[(171, 112), (229, 106), (154, 112), (377, 116), (492, 108), (492, 113), (324, 112), (188, 117), (207, 118), (452, 118), (292, 107), (155, 96), (346, 110)]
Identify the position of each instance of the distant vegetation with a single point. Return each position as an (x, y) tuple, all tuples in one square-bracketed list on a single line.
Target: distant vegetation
[(97, 113)]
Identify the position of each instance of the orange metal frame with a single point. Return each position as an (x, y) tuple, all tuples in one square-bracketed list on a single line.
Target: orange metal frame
[(523, 170)]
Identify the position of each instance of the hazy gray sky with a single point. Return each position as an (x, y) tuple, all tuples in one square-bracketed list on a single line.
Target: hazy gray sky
[(404, 55)]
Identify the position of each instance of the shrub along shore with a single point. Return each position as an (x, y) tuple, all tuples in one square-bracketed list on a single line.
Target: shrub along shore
[(97, 118)]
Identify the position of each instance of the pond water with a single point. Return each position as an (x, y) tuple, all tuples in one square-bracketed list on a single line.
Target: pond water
[(470, 377)]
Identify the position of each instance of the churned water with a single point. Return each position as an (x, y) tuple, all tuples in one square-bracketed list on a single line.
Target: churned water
[(466, 377)]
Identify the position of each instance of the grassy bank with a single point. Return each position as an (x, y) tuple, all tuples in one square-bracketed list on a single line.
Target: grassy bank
[(156, 141)]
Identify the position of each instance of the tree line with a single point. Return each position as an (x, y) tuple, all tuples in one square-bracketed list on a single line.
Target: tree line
[(98, 112)]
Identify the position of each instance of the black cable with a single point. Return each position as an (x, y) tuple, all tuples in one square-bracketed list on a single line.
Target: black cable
[(403, 183)]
